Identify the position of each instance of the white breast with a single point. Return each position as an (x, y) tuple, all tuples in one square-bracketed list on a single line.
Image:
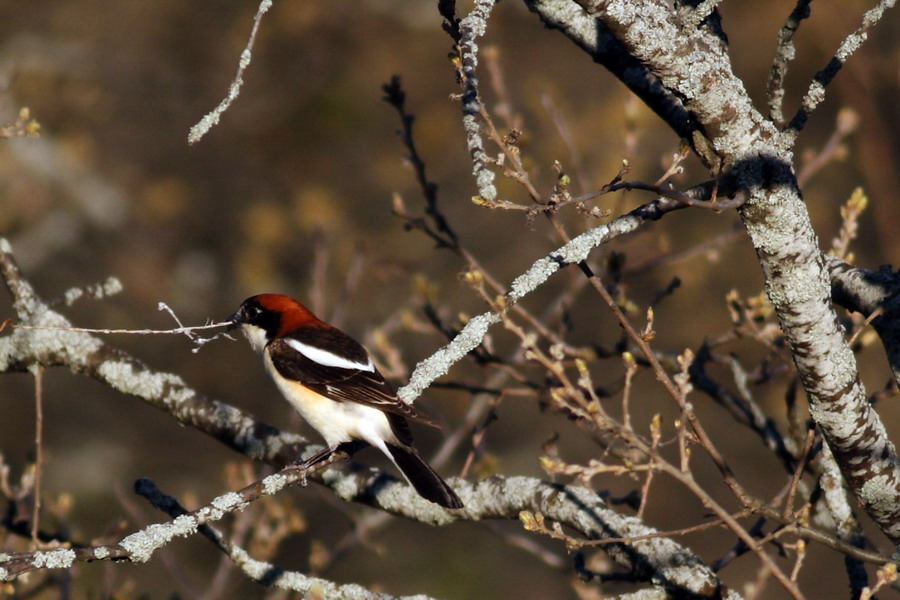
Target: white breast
[(337, 422), (255, 335)]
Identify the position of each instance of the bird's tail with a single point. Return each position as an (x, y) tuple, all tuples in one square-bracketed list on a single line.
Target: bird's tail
[(422, 477)]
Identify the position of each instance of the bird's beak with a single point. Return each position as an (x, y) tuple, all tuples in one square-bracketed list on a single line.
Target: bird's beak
[(235, 320)]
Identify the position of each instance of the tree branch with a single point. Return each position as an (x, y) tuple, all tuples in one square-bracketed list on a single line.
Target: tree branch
[(140, 546), (698, 71), (784, 54), (816, 92), (660, 560), (865, 292), (575, 251), (211, 119), (592, 36), (86, 354)]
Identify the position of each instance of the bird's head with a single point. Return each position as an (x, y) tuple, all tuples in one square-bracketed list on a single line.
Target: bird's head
[(264, 317)]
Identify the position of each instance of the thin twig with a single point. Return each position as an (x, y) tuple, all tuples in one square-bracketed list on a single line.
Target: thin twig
[(212, 118), (700, 13), (38, 373), (798, 472), (845, 124), (188, 331), (875, 314)]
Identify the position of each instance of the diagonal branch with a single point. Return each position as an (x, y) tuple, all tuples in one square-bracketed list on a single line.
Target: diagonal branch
[(140, 546), (262, 572), (592, 36), (211, 119), (577, 250)]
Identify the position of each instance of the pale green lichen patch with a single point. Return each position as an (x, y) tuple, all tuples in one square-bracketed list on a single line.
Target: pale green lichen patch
[(49, 345), (880, 493), (54, 559), (142, 544), (229, 502), (274, 483), (123, 376)]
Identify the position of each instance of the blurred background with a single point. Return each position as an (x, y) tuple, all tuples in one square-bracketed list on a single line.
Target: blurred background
[(293, 192)]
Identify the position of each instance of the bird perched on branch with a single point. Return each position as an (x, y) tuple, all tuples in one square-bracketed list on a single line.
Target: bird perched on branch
[(329, 378)]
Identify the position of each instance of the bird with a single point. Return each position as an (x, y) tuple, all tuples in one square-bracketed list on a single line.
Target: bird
[(330, 379)]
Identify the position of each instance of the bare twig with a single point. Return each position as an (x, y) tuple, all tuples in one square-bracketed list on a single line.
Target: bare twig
[(181, 330), (38, 373), (845, 124), (442, 234), (798, 472)]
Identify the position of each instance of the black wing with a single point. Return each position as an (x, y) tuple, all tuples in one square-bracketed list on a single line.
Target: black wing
[(339, 383)]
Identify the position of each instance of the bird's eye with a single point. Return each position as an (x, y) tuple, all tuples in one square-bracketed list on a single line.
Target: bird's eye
[(248, 312)]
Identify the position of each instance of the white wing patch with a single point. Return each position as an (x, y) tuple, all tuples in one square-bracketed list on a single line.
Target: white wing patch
[(329, 359)]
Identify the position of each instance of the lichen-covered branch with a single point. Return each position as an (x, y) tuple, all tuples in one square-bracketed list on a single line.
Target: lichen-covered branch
[(260, 571), (211, 119), (658, 559), (784, 54), (698, 71), (471, 27), (140, 546), (592, 36), (85, 354)]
